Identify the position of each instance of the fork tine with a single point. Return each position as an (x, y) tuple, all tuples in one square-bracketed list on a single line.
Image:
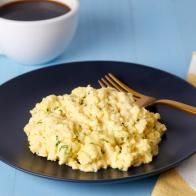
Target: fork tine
[(124, 86), (106, 82), (114, 84), (101, 84)]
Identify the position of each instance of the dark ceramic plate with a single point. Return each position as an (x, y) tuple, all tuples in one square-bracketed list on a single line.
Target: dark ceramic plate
[(20, 94)]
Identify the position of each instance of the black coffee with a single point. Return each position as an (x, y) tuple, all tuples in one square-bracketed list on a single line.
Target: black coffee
[(33, 10)]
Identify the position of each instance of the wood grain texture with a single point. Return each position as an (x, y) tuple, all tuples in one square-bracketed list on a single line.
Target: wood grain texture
[(172, 184), (192, 79)]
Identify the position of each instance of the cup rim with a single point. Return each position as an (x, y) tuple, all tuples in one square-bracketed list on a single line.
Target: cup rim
[(72, 12)]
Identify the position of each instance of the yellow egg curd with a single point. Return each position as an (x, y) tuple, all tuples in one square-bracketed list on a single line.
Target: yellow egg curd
[(91, 129)]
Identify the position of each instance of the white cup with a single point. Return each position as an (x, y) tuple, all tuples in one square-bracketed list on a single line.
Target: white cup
[(37, 42)]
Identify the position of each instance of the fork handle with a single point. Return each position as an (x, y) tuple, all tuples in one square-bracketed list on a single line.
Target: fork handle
[(178, 105)]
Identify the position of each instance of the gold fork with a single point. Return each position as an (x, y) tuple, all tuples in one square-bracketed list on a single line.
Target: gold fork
[(142, 100)]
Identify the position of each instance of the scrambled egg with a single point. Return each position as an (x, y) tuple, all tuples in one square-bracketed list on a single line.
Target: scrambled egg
[(92, 129)]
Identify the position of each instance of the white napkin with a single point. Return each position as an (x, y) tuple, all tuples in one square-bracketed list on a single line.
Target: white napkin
[(188, 171)]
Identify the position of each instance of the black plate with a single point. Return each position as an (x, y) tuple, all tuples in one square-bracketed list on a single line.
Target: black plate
[(19, 95)]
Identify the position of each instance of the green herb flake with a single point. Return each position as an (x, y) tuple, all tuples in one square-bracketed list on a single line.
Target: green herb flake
[(64, 147), (61, 111), (56, 108), (57, 141), (81, 102), (92, 143)]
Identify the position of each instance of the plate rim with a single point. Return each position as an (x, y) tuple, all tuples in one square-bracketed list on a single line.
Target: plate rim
[(119, 179), (53, 66), (127, 178)]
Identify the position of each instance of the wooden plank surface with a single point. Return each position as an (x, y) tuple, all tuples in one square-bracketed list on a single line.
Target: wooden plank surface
[(157, 33)]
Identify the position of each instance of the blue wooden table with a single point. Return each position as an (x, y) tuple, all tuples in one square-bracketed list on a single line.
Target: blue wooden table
[(158, 33)]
